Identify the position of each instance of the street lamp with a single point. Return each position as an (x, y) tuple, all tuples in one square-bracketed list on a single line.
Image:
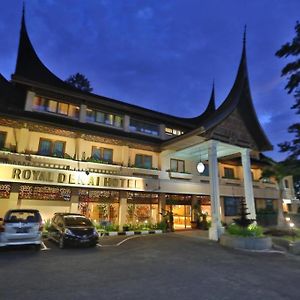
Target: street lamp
[(292, 231)]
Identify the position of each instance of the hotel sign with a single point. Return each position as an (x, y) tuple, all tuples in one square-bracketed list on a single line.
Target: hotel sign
[(22, 174)]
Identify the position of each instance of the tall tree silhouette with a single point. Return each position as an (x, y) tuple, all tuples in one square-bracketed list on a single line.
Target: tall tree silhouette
[(292, 71), (79, 81)]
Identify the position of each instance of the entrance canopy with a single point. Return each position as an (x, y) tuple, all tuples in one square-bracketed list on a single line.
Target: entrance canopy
[(200, 151)]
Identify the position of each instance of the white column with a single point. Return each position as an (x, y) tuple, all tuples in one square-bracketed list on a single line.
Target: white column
[(79, 142), (22, 137), (162, 129), (29, 100), (122, 209), (248, 185), (82, 113), (216, 228), (74, 201), (161, 206), (125, 155), (126, 123)]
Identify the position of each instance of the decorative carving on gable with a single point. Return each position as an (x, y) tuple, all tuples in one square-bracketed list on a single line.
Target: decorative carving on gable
[(232, 131)]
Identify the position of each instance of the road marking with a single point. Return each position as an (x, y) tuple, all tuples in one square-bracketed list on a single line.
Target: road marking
[(45, 248), (123, 241)]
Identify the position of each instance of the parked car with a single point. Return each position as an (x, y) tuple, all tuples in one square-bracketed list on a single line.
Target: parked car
[(69, 229), (21, 227)]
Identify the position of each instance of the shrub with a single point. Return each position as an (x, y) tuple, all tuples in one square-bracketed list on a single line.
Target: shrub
[(47, 224), (250, 231), (161, 226)]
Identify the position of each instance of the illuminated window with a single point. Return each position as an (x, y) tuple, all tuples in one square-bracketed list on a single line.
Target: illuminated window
[(169, 131), (2, 139), (58, 148), (90, 115), (172, 131), (144, 127), (232, 206), (229, 173), (143, 161), (104, 118), (100, 117), (177, 165), (38, 103), (102, 154), (56, 107), (73, 111), (51, 106), (109, 119), (62, 108), (51, 148), (118, 122)]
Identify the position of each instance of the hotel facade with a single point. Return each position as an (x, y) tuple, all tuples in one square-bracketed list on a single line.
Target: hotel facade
[(65, 150)]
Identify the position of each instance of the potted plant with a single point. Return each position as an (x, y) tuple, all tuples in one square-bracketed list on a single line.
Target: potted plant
[(126, 227), (243, 234)]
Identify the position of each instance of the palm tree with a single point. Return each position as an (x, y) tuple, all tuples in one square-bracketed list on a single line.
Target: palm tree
[(278, 171)]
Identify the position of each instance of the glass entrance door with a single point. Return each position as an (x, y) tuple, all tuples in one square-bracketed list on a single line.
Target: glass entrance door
[(182, 215)]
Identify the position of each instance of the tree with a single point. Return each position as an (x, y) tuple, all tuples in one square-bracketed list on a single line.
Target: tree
[(79, 81), (243, 220), (292, 71)]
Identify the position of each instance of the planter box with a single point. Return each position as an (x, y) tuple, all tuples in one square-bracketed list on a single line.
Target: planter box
[(178, 175), (129, 232), (145, 232), (158, 231), (112, 233), (294, 248), (194, 224), (249, 243)]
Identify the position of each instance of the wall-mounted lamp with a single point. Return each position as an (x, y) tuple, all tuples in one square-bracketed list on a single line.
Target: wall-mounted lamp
[(200, 167)]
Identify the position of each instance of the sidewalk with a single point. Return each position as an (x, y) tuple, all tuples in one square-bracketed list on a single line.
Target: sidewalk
[(193, 233)]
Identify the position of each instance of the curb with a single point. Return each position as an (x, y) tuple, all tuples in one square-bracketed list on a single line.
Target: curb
[(130, 233)]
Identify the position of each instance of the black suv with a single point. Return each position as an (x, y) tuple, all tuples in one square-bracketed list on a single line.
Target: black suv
[(69, 229)]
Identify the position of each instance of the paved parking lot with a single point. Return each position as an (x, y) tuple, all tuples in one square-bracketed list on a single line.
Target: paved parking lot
[(168, 266)]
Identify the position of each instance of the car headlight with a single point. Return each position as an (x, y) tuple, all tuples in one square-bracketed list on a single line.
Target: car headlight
[(95, 232), (68, 232)]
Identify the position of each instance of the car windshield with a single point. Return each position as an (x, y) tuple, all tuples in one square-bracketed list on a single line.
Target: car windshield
[(22, 217), (77, 221)]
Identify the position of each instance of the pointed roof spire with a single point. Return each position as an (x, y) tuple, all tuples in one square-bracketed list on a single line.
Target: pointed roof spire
[(29, 66), (211, 107), (239, 98), (245, 36)]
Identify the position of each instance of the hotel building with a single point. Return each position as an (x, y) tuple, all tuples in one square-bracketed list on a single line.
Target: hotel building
[(65, 150)]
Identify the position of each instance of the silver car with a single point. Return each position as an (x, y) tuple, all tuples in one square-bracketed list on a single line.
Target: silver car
[(21, 227)]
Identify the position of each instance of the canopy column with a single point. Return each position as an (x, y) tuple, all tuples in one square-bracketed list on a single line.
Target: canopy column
[(216, 228), (248, 185)]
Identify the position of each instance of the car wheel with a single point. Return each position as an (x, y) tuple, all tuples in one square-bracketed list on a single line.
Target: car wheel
[(61, 242), (93, 245)]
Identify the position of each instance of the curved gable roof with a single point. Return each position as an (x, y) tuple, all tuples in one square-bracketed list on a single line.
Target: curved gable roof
[(239, 98), (30, 70), (11, 97)]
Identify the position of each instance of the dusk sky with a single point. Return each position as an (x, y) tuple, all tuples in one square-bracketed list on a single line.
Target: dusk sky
[(162, 54)]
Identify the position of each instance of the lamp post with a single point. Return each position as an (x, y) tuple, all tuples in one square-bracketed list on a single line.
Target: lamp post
[(292, 231)]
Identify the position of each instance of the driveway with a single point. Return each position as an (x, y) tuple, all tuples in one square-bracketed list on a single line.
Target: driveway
[(169, 266)]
